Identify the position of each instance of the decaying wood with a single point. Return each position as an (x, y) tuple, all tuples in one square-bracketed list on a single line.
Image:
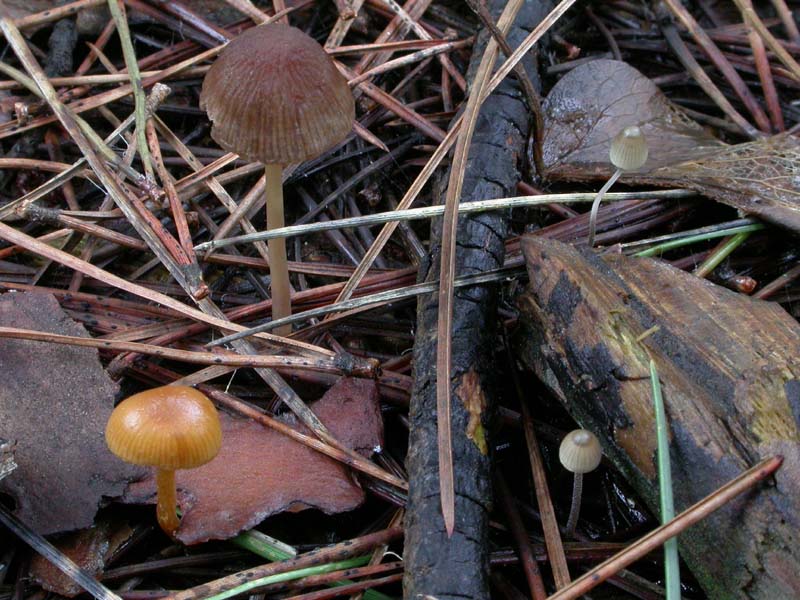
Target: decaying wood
[(457, 566), (730, 371)]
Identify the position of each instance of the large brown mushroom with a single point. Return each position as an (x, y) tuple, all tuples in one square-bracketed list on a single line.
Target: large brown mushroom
[(275, 96)]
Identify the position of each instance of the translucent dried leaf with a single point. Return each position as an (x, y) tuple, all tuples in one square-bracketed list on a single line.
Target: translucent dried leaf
[(761, 178), (592, 103)]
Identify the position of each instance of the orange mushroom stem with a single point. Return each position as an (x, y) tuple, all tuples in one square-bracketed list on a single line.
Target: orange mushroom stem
[(166, 501)]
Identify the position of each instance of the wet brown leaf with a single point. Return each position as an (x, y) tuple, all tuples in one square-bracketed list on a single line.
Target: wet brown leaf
[(89, 548), (260, 472), (592, 103), (54, 402)]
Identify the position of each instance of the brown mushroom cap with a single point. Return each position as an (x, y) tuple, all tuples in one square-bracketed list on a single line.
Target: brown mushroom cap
[(275, 96), (170, 427)]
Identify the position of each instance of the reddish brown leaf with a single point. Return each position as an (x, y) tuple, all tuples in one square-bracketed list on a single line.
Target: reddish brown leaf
[(55, 401), (260, 472), (88, 548)]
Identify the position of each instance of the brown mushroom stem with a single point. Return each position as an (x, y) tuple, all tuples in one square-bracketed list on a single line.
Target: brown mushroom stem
[(575, 507), (278, 267), (167, 501)]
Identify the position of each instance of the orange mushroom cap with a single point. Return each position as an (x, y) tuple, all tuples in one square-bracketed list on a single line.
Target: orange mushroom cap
[(273, 95), (169, 427)]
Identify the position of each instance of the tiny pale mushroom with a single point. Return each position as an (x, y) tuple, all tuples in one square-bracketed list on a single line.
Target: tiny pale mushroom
[(579, 453)]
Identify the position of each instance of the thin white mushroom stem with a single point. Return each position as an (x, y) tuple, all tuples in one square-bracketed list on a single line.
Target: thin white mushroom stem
[(575, 507), (596, 205), (278, 266), (167, 501)]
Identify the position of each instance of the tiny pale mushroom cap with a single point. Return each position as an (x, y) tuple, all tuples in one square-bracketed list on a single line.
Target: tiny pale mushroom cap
[(580, 451), (274, 96), (169, 427), (628, 150)]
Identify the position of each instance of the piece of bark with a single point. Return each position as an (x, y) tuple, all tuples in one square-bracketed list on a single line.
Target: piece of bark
[(458, 566), (730, 372), (54, 402), (7, 462), (260, 471)]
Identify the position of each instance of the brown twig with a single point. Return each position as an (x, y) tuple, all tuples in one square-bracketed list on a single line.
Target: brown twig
[(750, 16), (767, 82), (529, 565), (56, 13), (704, 81), (719, 60), (482, 87), (359, 368), (531, 95)]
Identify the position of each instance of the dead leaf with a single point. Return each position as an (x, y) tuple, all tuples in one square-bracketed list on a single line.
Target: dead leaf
[(260, 472), (593, 102), (89, 548), (761, 178), (55, 401)]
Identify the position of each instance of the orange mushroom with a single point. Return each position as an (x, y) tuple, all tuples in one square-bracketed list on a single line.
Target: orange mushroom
[(169, 428), (274, 96)]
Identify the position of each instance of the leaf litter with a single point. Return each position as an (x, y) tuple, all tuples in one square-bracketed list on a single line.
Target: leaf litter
[(260, 472), (685, 141), (595, 101)]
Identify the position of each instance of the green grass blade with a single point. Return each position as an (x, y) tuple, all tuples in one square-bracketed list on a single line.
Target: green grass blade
[(721, 253), (264, 545), (275, 550), (290, 576), (685, 241), (672, 576)]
